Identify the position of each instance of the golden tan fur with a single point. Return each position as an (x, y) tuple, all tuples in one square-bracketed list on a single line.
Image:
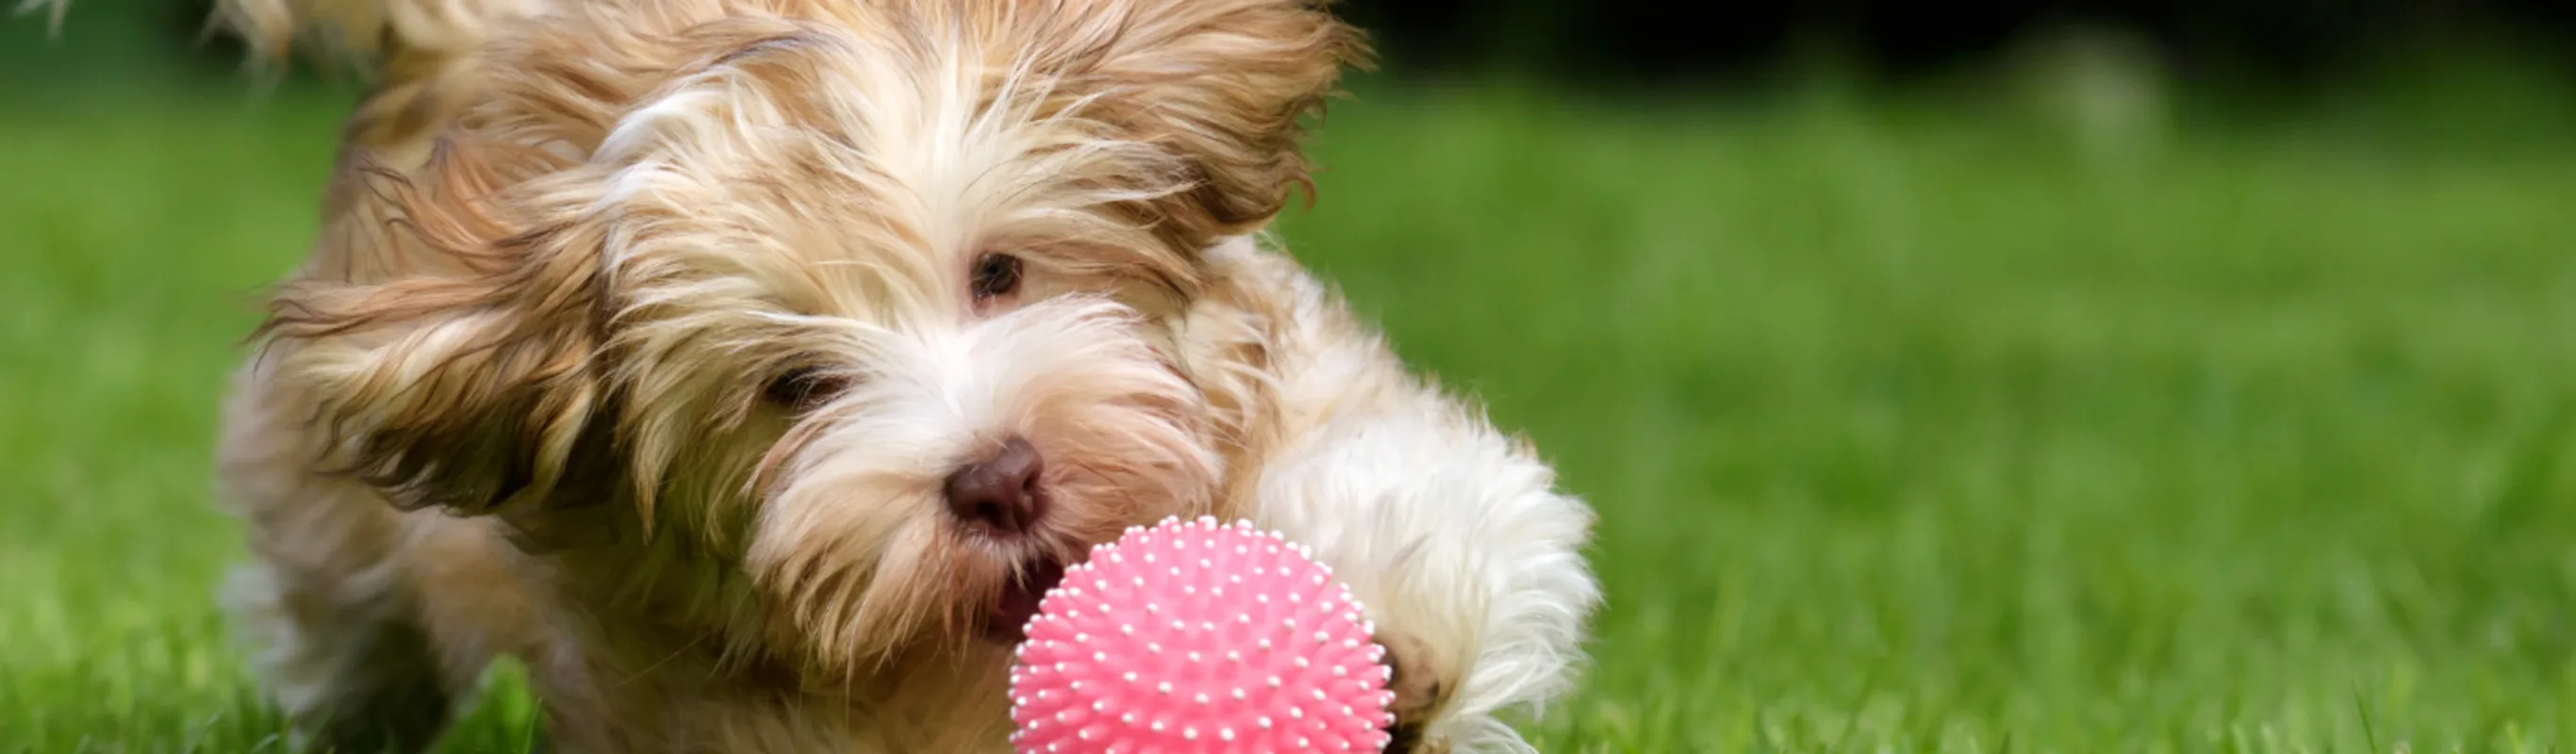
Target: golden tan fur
[(521, 400)]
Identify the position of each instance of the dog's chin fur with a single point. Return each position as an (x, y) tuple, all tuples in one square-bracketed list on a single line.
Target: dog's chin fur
[(642, 337)]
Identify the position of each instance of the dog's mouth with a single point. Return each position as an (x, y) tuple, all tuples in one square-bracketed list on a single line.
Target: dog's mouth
[(1008, 622)]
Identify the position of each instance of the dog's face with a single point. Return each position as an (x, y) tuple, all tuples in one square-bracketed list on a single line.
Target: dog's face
[(865, 306)]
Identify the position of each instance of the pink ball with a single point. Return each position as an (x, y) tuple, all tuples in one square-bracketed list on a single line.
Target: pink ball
[(1194, 637)]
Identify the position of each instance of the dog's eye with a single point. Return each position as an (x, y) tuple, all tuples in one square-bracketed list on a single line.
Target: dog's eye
[(995, 275), (803, 388)]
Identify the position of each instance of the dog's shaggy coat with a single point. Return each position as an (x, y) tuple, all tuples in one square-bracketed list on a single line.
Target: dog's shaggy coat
[(644, 340)]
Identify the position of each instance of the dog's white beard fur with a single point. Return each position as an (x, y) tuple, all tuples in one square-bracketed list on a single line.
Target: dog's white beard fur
[(858, 507)]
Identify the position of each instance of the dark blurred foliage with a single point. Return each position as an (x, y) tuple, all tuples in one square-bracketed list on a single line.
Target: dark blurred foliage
[(1660, 42), (1656, 43)]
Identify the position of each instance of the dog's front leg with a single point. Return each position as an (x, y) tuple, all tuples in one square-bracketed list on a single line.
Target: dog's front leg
[(1465, 556), (1452, 534)]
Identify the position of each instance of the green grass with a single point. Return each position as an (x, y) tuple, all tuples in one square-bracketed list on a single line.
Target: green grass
[(1912, 428)]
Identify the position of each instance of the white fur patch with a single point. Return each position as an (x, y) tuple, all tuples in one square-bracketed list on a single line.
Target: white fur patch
[(1451, 532)]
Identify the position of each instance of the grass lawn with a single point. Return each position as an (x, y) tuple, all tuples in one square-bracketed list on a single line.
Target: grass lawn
[(1911, 429)]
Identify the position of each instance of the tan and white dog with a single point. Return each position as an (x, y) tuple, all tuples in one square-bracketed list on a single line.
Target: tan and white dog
[(749, 367)]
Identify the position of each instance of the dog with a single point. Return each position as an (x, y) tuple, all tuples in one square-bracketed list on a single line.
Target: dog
[(748, 369)]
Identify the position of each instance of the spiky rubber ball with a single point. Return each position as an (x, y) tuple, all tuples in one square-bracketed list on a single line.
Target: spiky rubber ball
[(1195, 637)]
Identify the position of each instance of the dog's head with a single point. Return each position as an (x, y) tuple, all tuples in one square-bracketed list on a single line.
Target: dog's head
[(865, 306)]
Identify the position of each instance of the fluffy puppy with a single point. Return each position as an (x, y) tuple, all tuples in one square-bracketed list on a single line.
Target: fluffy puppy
[(749, 367)]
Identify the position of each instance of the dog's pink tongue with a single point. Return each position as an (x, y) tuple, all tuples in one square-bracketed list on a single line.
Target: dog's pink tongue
[(1010, 618)]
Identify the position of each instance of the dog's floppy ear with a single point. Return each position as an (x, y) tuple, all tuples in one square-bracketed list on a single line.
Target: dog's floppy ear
[(1221, 83), (454, 362)]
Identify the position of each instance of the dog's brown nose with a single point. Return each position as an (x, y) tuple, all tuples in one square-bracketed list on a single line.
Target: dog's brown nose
[(1002, 494)]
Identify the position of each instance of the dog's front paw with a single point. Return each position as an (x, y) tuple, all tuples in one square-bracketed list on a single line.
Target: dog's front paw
[(1451, 532), (1420, 691), (1469, 563)]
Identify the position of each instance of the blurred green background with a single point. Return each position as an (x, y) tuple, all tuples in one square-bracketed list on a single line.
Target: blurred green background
[(2071, 379)]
